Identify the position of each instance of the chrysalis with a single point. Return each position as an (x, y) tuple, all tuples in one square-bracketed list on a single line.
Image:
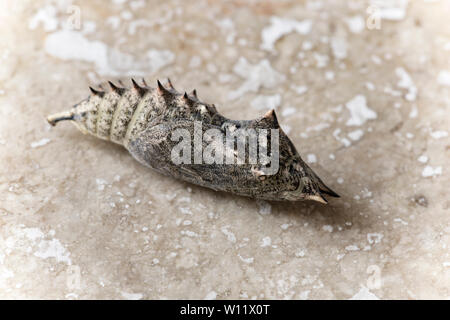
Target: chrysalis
[(180, 136)]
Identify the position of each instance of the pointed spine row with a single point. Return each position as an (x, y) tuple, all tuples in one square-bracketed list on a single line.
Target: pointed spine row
[(169, 93), (142, 90), (123, 112), (112, 115)]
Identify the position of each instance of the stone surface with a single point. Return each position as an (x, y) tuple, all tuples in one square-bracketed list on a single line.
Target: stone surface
[(80, 219)]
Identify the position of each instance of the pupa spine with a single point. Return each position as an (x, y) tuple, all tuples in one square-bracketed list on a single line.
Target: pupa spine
[(119, 114)]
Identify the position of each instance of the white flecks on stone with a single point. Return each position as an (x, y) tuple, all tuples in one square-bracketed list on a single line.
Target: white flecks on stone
[(359, 111), (187, 222), (321, 60), (392, 92), (72, 45), (137, 4), (414, 112), (266, 102), (45, 16), (355, 24), (340, 256), (189, 233), (225, 77), (311, 158), (339, 47), (126, 15), (343, 140), (300, 89), (266, 241), (135, 24), (444, 78), (429, 171), (374, 238), (423, 159), (352, 248), (113, 22), (300, 253), (439, 134), (101, 183), (376, 59), (5, 274), (33, 233), (393, 10), (318, 127), (185, 210), (366, 193), (246, 260), (230, 235), (406, 82), (212, 295), (158, 59), (89, 27), (304, 295), (399, 220), (329, 75), (340, 180), (257, 76), (195, 62), (280, 27), (370, 86), (40, 143), (132, 296), (288, 111), (264, 207), (307, 45), (227, 26), (71, 296), (327, 228), (285, 226), (364, 294), (356, 134), (53, 249)]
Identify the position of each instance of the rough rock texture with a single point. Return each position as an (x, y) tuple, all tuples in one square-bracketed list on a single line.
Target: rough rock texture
[(367, 108)]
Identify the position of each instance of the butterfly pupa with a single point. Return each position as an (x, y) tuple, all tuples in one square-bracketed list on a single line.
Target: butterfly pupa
[(150, 122)]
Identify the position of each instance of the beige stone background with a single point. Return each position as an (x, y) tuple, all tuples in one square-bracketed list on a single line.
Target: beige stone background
[(362, 88)]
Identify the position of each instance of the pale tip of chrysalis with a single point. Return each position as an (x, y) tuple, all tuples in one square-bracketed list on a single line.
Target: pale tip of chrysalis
[(61, 116)]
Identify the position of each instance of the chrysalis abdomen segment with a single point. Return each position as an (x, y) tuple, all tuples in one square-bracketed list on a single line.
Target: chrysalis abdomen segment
[(141, 116), (117, 115), (122, 115), (105, 114)]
